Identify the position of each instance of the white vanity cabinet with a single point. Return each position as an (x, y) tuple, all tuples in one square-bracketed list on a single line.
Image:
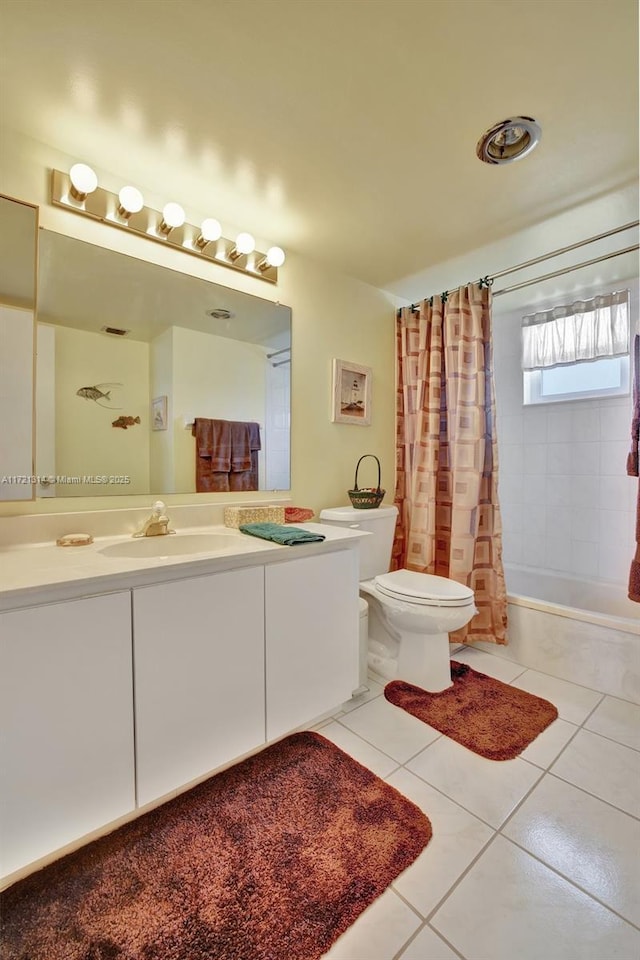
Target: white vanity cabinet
[(66, 722), (199, 676), (311, 623)]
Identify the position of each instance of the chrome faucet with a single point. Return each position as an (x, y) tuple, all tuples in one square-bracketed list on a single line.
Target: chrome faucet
[(157, 525)]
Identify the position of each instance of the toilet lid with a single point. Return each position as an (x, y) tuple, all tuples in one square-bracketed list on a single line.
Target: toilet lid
[(424, 588)]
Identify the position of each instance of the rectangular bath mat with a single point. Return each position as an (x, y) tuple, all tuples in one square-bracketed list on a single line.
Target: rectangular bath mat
[(483, 714), (271, 859)]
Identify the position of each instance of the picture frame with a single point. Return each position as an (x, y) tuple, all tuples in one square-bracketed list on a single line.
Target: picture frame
[(351, 397), (159, 413)]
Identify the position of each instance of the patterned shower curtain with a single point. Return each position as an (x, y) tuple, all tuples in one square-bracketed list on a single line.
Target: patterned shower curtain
[(447, 458)]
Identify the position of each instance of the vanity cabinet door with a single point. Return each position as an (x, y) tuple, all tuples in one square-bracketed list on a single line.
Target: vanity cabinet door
[(66, 716), (312, 623), (199, 676)]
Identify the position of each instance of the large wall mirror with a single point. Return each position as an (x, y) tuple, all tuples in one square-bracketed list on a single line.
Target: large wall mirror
[(130, 354)]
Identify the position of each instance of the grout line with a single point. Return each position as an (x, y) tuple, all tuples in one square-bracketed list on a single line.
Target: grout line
[(573, 883), (594, 796), (459, 880), (609, 738)]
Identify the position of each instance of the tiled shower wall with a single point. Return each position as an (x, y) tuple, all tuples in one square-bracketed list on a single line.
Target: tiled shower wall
[(567, 503)]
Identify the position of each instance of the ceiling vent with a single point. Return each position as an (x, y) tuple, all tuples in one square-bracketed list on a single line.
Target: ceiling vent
[(220, 313), (509, 140), (115, 331)]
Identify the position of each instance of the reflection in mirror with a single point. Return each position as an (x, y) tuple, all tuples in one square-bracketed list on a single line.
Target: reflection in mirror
[(18, 256), (131, 354)]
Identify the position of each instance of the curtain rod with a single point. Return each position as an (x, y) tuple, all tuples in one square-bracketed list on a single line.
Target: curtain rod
[(488, 280), (561, 250), (559, 273), (278, 352)]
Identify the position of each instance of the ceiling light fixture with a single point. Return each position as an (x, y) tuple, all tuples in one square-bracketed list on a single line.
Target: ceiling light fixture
[(78, 191), (83, 181), (509, 140)]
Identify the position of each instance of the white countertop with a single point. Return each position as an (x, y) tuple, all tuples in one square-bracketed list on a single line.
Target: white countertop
[(45, 573)]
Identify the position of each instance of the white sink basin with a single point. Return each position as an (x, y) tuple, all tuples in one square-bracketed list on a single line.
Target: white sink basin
[(181, 544)]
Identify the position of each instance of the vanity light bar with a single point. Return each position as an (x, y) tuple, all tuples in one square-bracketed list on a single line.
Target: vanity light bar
[(167, 226)]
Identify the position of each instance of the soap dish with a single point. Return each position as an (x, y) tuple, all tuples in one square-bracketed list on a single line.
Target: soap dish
[(74, 540)]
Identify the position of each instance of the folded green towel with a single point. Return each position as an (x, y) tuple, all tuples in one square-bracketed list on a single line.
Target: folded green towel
[(281, 533)]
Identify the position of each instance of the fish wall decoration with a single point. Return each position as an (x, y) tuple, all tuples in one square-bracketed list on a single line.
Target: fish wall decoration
[(99, 393), (125, 422)]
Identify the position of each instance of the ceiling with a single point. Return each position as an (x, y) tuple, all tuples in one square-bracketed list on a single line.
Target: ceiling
[(343, 130)]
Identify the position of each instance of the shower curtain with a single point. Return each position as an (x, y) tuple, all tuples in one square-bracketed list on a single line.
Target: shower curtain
[(447, 468)]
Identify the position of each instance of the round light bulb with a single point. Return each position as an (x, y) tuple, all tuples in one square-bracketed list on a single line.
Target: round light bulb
[(173, 215), (245, 243), (83, 179), (275, 256), (131, 200), (210, 230)]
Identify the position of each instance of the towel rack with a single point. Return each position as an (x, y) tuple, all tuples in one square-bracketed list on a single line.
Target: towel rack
[(189, 421)]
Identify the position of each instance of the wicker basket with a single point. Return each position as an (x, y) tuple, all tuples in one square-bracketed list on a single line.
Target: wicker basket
[(366, 498)]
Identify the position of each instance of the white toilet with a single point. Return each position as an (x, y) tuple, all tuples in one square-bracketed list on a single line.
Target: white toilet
[(410, 614)]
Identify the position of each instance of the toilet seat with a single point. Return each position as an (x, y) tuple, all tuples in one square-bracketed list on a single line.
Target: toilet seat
[(423, 589)]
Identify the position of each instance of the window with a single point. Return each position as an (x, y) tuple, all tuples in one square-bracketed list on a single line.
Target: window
[(577, 351)]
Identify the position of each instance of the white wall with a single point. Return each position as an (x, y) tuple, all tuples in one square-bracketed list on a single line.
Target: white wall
[(567, 503)]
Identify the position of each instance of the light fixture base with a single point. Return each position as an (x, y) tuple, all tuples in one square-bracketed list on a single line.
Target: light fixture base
[(509, 140), (104, 206)]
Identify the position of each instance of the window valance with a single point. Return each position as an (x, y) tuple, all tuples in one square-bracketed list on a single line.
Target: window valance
[(584, 330)]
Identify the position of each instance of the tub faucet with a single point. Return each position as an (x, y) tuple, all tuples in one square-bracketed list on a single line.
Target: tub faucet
[(157, 525)]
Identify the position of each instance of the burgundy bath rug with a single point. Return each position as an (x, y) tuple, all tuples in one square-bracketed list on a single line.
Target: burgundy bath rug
[(485, 715), (271, 859)]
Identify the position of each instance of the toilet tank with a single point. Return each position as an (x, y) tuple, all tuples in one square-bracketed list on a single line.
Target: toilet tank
[(375, 551)]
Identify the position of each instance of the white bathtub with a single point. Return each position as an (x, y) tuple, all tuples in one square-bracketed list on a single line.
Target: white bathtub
[(584, 631)]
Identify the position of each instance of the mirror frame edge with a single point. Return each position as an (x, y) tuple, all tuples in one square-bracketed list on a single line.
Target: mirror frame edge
[(36, 254)]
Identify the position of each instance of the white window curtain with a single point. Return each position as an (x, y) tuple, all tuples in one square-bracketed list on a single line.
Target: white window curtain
[(584, 330)]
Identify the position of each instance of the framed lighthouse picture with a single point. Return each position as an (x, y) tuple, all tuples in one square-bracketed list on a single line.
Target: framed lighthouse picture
[(351, 393)]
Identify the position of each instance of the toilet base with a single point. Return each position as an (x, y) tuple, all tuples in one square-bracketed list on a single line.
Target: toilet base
[(425, 661)]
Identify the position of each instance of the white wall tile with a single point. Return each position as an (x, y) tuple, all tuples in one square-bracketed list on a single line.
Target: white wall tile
[(585, 491), (559, 522), (559, 491), (559, 426), (510, 428), (510, 489), (585, 458), (613, 458), (534, 550), (511, 458), (535, 458), (585, 424), (534, 519), (534, 423), (615, 423), (534, 490), (558, 459), (584, 558), (585, 524)]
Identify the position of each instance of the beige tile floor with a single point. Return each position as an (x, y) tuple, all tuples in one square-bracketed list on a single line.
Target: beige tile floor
[(536, 858)]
